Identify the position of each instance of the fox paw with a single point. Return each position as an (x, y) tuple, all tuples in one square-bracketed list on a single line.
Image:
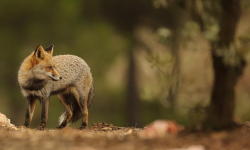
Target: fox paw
[(41, 127), (83, 126), (60, 127)]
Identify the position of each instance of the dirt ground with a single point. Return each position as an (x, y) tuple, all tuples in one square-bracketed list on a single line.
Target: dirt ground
[(104, 136)]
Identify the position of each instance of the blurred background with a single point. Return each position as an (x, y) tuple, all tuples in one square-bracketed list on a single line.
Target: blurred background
[(151, 59)]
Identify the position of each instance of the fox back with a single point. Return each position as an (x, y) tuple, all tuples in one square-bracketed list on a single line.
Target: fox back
[(73, 71)]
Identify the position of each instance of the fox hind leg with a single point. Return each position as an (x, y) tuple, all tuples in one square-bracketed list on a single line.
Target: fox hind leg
[(83, 103), (85, 113)]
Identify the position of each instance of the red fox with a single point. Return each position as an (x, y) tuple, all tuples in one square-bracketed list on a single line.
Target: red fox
[(41, 75)]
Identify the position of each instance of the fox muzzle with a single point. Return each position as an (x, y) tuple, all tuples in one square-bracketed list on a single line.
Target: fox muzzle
[(54, 77)]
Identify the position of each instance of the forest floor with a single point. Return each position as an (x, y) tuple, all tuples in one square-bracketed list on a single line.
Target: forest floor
[(103, 136)]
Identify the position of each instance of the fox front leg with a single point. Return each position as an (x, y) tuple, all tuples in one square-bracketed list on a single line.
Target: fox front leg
[(30, 110), (44, 113)]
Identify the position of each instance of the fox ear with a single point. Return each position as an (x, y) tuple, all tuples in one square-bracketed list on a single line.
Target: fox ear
[(50, 49), (39, 52)]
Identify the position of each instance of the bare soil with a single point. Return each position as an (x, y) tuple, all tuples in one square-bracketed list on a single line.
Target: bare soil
[(106, 136)]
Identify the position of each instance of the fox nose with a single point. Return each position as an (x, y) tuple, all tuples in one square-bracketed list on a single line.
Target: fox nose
[(60, 78)]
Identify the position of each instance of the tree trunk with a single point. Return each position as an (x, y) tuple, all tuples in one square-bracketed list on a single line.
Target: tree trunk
[(221, 109), (132, 108)]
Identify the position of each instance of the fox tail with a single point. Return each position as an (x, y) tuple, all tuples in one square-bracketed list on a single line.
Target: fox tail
[(74, 106)]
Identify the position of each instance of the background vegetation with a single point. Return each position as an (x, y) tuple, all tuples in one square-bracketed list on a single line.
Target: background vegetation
[(151, 59)]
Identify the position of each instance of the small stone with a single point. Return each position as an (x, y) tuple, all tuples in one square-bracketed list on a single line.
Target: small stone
[(5, 122)]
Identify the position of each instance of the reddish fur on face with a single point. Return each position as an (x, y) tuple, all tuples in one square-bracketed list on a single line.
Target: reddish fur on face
[(32, 60), (51, 68)]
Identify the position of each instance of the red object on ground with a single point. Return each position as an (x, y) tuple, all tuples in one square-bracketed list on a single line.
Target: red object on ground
[(161, 128)]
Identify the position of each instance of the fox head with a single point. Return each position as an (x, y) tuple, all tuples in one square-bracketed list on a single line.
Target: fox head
[(43, 66)]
